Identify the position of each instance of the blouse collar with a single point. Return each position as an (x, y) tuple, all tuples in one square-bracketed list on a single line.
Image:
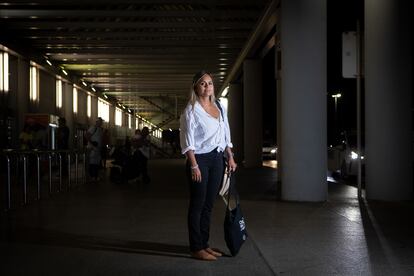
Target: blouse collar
[(198, 105)]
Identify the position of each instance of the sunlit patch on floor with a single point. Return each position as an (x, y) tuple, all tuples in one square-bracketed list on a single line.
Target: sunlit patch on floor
[(270, 163)]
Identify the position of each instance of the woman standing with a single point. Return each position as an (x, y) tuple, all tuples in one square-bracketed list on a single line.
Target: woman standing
[(205, 140)]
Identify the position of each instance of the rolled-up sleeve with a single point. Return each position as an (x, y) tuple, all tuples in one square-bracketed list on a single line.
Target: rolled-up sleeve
[(187, 126), (227, 129)]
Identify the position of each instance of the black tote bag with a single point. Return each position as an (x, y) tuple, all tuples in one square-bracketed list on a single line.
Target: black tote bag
[(235, 233)]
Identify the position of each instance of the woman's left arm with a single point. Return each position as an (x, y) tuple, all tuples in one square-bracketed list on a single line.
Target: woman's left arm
[(231, 164)]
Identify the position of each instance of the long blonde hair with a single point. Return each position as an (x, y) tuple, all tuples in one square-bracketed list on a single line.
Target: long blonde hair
[(193, 95)]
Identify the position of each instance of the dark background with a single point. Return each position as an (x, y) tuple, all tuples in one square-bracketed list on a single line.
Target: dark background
[(342, 16)]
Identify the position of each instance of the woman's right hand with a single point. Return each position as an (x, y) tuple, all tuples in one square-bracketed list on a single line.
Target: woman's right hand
[(196, 174)]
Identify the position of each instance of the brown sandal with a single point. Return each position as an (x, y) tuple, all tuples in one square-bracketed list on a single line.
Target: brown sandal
[(213, 252), (203, 255)]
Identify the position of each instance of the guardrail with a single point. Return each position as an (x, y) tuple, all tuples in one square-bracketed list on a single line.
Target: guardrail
[(19, 167)]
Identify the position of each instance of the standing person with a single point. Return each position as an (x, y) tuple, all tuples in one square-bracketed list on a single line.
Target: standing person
[(39, 137), (62, 135), (136, 138), (62, 142), (205, 140), (128, 145), (142, 153), (104, 149), (26, 137), (94, 136)]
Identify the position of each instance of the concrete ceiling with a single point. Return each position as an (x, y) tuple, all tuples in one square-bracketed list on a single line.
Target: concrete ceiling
[(142, 53)]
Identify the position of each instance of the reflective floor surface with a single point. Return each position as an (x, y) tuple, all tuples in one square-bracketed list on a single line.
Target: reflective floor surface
[(136, 229)]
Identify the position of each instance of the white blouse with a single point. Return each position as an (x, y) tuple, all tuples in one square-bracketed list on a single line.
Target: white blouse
[(201, 132)]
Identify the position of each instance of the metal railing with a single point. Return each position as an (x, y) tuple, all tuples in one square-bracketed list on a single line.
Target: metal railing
[(22, 169)]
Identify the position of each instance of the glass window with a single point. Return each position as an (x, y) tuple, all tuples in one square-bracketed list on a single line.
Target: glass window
[(34, 83), (103, 109), (75, 100), (118, 117), (58, 93), (88, 106), (4, 71)]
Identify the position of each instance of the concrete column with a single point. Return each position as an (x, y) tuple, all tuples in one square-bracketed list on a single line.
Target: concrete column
[(23, 90), (278, 119), (235, 115), (94, 108), (67, 106), (252, 107), (112, 119), (388, 73), (303, 99), (10, 107), (47, 92)]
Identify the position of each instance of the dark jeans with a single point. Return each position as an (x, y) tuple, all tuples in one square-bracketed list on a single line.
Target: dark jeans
[(202, 197), (94, 170), (143, 166)]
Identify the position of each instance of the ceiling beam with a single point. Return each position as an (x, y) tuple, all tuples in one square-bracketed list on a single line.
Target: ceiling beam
[(211, 61), (120, 56), (58, 43), (262, 29), (67, 12), (34, 3), (115, 24), (147, 34), (221, 53)]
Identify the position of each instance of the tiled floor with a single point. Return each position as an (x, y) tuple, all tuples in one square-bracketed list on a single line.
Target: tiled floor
[(137, 229)]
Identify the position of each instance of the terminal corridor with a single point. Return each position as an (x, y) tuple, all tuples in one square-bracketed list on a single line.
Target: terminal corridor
[(136, 229), (317, 110)]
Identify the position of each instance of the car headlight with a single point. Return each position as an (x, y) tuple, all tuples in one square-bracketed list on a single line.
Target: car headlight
[(354, 155)]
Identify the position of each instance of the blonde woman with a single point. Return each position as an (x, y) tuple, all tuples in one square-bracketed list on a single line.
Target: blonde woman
[(205, 140)]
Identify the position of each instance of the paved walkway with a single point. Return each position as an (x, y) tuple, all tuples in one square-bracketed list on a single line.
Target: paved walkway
[(133, 229)]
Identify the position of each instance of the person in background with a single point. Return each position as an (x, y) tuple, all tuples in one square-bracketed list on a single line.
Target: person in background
[(62, 142), (62, 135), (26, 137), (205, 140), (141, 144), (104, 150), (128, 145), (136, 138), (94, 136), (40, 138)]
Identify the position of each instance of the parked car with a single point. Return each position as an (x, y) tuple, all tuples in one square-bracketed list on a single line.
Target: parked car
[(269, 150), (343, 157)]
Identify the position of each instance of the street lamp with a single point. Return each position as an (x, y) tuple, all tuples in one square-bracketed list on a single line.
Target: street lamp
[(336, 97)]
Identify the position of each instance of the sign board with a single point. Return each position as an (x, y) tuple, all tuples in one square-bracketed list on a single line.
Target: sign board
[(349, 54), (41, 119)]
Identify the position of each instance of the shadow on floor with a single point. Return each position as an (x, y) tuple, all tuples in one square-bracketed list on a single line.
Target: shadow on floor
[(54, 238), (257, 183), (389, 229)]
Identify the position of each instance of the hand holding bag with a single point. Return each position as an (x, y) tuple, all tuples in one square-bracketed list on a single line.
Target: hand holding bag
[(235, 233), (225, 185)]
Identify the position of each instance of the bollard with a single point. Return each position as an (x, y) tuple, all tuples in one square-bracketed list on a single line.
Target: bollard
[(60, 172), (84, 167), (8, 183), (38, 176), (68, 170), (76, 169), (24, 179)]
